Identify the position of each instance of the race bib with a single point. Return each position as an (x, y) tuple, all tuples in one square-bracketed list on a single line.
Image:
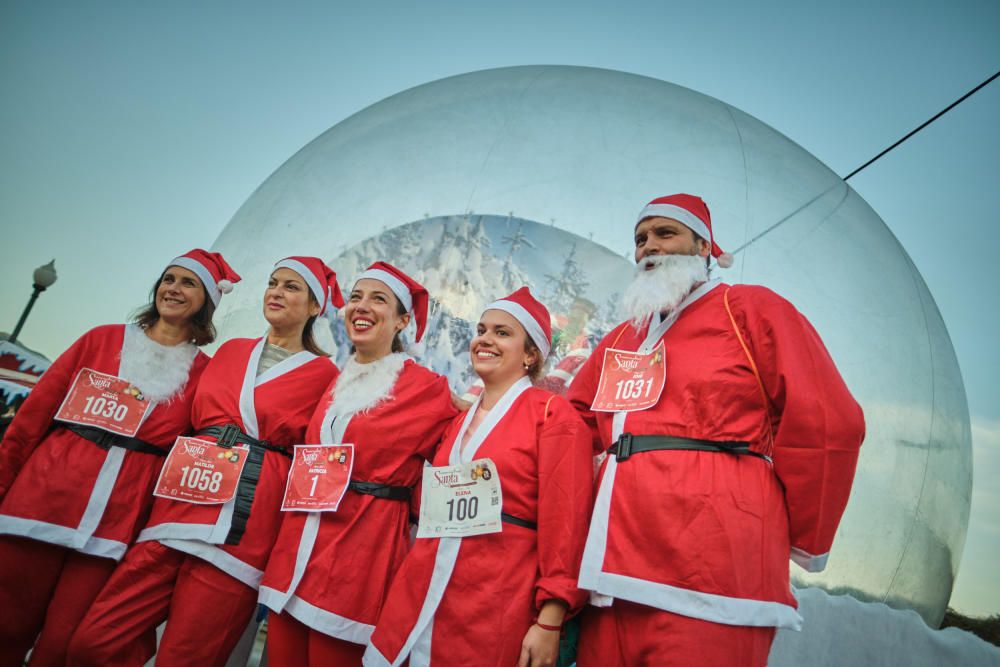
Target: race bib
[(460, 500), (201, 472), (105, 402), (318, 478), (630, 381)]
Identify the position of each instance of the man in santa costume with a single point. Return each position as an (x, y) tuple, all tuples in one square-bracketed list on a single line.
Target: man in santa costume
[(732, 442)]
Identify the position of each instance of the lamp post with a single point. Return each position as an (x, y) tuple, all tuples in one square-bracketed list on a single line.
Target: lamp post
[(44, 277)]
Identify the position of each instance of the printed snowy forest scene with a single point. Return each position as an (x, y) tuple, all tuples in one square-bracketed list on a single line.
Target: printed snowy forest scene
[(468, 261)]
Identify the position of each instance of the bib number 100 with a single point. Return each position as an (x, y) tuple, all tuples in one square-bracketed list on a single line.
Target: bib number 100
[(463, 508), (105, 407), (200, 480), (625, 389)]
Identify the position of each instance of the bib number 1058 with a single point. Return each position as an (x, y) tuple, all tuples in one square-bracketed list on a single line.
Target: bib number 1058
[(198, 479)]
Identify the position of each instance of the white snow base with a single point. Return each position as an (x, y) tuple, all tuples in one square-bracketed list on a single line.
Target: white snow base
[(840, 630)]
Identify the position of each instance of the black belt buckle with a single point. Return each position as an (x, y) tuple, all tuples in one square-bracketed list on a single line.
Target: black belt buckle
[(229, 436), (623, 448)]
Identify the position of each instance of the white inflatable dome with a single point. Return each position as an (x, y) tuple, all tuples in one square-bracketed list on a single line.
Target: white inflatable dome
[(535, 174)]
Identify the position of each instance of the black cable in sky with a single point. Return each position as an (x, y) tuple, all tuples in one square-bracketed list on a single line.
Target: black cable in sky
[(925, 124)]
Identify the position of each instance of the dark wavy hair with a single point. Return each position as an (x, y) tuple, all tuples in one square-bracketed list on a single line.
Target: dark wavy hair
[(308, 341), (538, 367), (201, 327)]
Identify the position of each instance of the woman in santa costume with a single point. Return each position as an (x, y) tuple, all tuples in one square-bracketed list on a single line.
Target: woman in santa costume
[(510, 494), (75, 482), (197, 566), (329, 570)]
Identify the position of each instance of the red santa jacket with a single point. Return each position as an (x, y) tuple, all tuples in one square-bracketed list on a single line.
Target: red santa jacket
[(471, 600), (60, 488), (708, 534), (274, 406), (331, 570)]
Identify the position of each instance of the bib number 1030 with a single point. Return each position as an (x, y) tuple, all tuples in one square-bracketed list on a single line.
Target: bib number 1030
[(105, 407), (104, 401)]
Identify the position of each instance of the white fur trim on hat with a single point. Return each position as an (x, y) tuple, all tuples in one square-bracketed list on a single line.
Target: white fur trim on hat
[(397, 286), (314, 285), (529, 323), (203, 274), (682, 215)]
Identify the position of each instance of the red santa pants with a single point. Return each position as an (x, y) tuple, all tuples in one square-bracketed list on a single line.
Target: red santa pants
[(627, 634), (206, 611), (290, 642), (45, 590)]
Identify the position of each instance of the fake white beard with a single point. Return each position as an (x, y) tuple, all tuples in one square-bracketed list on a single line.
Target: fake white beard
[(360, 387), (663, 287), (160, 371)]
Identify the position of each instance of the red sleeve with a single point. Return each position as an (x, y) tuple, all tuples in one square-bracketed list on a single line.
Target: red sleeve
[(819, 426), (584, 387), (565, 482), (441, 415), (34, 417)]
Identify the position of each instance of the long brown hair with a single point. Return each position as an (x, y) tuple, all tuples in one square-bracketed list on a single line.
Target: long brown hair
[(200, 326)]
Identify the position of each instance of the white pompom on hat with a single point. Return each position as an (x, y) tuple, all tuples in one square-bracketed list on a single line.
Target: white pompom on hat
[(212, 269), (692, 212)]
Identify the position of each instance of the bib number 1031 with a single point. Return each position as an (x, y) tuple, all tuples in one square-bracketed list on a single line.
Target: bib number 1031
[(630, 389), (630, 381)]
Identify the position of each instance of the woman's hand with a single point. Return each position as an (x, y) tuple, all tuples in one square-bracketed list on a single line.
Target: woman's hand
[(540, 647)]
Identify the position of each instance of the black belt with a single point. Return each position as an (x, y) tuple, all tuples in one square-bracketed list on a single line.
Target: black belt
[(381, 490), (106, 440), (629, 444), (510, 518), (227, 436), (230, 435)]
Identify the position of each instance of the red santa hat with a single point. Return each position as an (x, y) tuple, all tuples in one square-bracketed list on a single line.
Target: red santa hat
[(211, 268), (410, 293), (692, 212), (532, 315), (321, 279)]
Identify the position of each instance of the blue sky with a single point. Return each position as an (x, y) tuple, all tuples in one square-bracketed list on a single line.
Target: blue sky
[(131, 132)]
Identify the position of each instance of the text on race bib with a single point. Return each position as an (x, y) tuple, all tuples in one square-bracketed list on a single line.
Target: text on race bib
[(630, 381), (104, 401), (201, 472), (318, 478), (460, 500)]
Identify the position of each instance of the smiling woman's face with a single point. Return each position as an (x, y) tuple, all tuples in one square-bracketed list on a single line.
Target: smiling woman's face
[(498, 349), (179, 296), (372, 319)]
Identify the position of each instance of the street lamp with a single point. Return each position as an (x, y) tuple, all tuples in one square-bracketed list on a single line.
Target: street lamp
[(44, 277)]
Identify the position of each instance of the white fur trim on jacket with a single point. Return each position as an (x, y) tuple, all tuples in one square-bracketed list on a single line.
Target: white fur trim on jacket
[(160, 371), (361, 387)]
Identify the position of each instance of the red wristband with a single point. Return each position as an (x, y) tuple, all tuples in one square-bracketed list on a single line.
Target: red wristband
[(550, 628)]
